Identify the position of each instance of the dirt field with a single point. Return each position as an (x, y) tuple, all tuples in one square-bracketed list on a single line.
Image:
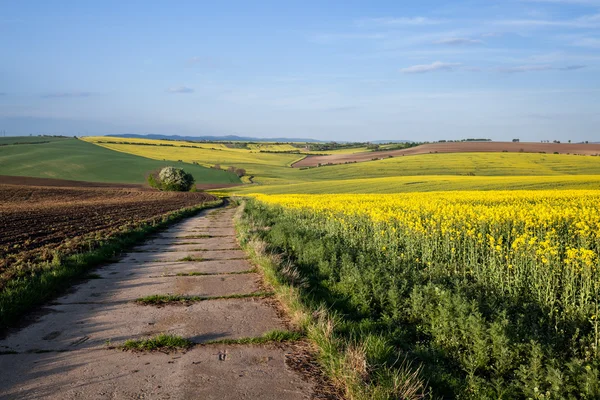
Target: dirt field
[(461, 147), (34, 221), (29, 181)]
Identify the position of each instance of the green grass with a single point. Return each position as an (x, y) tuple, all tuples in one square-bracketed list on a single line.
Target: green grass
[(353, 362), (277, 336), (171, 342), (23, 294), (160, 342), (78, 160), (164, 299)]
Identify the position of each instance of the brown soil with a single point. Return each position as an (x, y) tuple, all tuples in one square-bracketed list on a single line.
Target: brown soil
[(459, 147), (34, 221), (30, 181)]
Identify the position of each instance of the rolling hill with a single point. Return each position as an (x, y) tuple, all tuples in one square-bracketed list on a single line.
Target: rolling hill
[(78, 160)]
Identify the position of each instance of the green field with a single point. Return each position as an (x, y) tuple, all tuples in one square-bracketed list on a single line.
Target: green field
[(17, 140), (75, 159)]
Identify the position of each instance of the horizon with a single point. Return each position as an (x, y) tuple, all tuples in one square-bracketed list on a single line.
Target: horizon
[(227, 138), (343, 71)]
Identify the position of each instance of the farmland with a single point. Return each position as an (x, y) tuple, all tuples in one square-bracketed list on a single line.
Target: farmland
[(40, 227), (81, 161), (486, 295), (467, 274), (427, 183), (456, 147), (274, 168)]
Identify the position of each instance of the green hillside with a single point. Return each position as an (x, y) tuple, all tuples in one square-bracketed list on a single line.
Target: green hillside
[(11, 140), (82, 161)]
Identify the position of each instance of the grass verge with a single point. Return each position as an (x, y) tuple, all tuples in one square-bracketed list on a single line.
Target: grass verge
[(165, 341), (164, 299), (344, 360), (160, 342), (277, 336), (25, 293)]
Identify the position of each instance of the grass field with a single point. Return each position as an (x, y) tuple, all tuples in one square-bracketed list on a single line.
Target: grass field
[(79, 160)]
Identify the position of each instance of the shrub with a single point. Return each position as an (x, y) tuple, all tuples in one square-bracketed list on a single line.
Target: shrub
[(171, 179), (240, 172)]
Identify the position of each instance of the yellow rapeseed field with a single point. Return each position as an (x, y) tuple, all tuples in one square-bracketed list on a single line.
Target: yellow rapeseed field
[(544, 242)]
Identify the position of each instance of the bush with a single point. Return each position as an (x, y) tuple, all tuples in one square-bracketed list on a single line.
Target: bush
[(171, 179), (240, 172)]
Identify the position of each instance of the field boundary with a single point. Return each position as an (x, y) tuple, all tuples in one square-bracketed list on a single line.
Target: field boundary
[(57, 276)]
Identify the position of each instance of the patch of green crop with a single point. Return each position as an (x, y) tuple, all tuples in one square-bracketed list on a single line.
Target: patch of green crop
[(160, 342)]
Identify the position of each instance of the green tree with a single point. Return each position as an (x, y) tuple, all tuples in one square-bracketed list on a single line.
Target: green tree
[(171, 179)]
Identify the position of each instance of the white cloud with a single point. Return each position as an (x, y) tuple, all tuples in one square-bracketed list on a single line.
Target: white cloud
[(435, 66), (455, 41), (180, 89)]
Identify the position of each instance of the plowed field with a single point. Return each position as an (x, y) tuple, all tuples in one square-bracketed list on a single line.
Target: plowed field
[(35, 221)]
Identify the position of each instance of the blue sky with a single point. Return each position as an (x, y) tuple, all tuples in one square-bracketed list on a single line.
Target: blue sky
[(335, 70)]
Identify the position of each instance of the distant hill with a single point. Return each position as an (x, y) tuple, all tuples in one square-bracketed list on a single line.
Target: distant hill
[(228, 138), (390, 141)]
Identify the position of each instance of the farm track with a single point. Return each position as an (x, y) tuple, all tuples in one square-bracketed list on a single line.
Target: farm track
[(70, 350), (34, 219), (458, 147)]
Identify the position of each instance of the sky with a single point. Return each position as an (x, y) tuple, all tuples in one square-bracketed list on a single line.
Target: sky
[(330, 70)]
